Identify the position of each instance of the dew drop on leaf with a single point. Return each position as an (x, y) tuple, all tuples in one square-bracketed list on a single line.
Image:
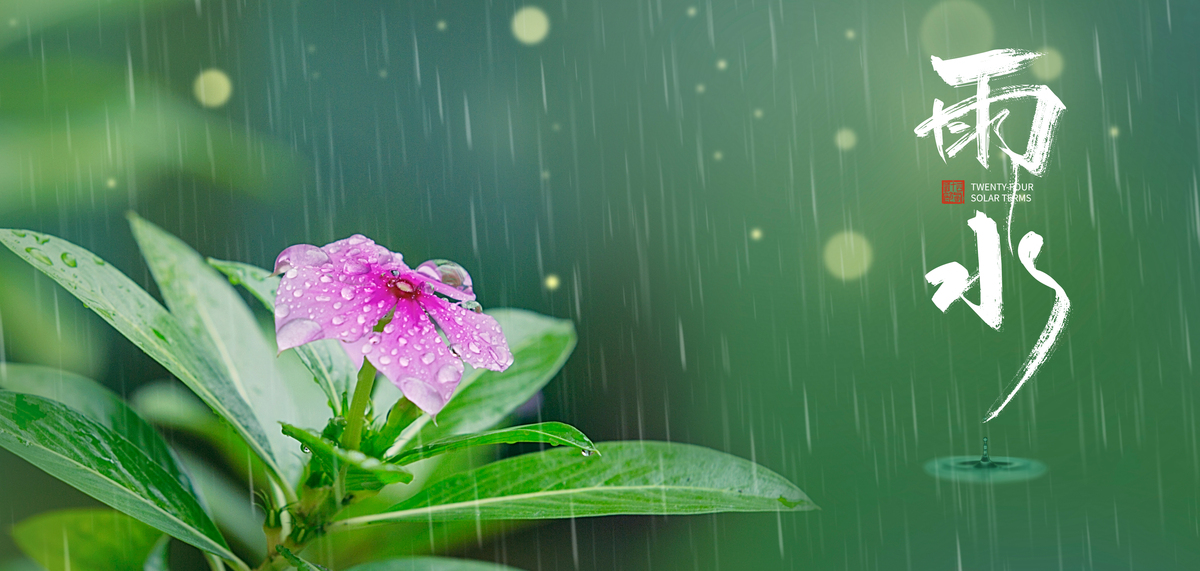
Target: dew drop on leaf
[(68, 259), (39, 256)]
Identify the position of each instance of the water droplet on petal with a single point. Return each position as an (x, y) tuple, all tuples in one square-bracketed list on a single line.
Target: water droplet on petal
[(385, 360), (447, 272), (474, 347), (404, 361), (427, 358), (355, 268), (338, 320), (281, 311), (449, 374), (348, 293), (297, 332)]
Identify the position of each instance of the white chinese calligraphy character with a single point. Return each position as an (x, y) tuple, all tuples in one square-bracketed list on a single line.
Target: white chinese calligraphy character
[(980, 69)]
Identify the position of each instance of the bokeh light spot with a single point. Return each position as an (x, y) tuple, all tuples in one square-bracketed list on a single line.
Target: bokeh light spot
[(722, 64), (845, 139), (212, 88), (756, 234), (956, 28), (552, 282), (1049, 66), (848, 255), (442, 25), (530, 25)]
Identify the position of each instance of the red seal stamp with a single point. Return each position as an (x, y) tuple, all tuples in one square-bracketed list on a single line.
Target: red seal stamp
[(953, 191)]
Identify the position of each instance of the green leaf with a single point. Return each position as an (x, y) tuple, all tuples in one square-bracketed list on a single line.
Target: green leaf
[(212, 312), (430, 564), (99, 404), (170, 405), (104, 465), (158, 559), (230, 504), (325, 359), (540, 347), (32, 306), (365, 473), (631, 478), (554, 433), (94, 538), (143, 321), (300, 564)]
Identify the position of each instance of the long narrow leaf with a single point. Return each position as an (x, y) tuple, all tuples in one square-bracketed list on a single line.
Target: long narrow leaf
[(209, 309), (101, 405), (365, 473), (141, 319), (102, 464), (430, 564), (648, 478), (94, 538), (554, 433)]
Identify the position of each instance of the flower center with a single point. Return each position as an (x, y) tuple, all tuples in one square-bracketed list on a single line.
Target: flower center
[(403, 288)]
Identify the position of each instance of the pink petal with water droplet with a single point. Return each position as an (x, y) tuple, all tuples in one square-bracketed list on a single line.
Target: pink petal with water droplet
[(423, 368), (358, 251), (299, 256), (345, 307), (437, 285), (475, 336)]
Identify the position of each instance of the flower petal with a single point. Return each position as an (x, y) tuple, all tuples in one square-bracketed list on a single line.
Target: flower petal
[(299, 256), (412, 355), (447, 278), (476, 337), (328, 304), (359, 254)]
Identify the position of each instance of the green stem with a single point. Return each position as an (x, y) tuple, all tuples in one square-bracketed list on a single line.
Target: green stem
[(358, 406)]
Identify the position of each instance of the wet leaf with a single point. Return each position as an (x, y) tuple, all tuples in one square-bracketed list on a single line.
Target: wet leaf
[(218, 321), (430, 564), (365, 473), (99, 404), (297, 562), (140, 318), (627, 478), (554, 433), (106, 466), (94, 538), (540, 347)]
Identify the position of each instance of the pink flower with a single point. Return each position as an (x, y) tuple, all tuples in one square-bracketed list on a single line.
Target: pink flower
[(342, 290)]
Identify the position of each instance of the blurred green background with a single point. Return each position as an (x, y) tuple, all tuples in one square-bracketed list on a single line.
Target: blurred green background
[(671, 175)]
